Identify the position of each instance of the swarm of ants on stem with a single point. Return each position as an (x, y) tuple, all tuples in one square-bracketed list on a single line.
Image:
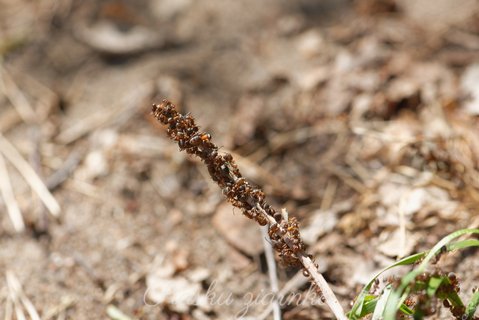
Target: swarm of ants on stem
[(283, 230)]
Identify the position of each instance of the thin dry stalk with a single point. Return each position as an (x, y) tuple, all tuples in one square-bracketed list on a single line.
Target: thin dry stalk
[(273, 277), (59, 310), (16, 97), (124, 110), (402, 226), (283, 230), (66, 170), (30, 176), (329, 194), (9, 198), (9, 119), (19, 298), (311, 270), (19, 314), (294, 283), (8, 309)]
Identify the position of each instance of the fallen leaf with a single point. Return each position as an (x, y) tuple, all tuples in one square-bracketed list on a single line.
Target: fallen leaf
[(237, 230)]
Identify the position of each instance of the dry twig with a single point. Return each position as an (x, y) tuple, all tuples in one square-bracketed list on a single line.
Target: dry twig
[(283, 230), (273, 278), (16, 97), (9, 119), (66, 170), (19, 298), (9, 151), (125, 109), (9, 198), (294, 283)]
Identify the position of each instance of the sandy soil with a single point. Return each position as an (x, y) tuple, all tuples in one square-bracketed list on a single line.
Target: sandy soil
[(359, 117)]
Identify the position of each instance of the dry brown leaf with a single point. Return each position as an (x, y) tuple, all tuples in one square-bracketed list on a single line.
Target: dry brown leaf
[(237, 230)]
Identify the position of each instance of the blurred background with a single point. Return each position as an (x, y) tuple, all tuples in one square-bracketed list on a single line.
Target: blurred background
[(359, 117)]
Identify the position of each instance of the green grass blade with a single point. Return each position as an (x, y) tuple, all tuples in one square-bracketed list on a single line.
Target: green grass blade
[(463, 244), (472, 306), (358, 307), (369, 306), (381, 303), (394, 299), (433, 285)]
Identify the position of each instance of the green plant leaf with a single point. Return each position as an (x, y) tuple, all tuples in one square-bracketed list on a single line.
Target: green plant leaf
[(433, 285), (357, 309), (381, 303), (394, 300), (472, 306), (463, 244)]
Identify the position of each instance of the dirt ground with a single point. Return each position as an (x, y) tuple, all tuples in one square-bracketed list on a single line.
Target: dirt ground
[(359, 117)]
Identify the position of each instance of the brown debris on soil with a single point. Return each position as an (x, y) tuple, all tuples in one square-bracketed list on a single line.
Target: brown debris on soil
[(358, 116)]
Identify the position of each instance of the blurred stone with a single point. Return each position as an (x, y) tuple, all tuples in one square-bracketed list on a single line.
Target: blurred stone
[(470, 86), (240, 232), (95, 166), (310, 43), (438, 15), (289, 25), (309, 79), (321, 223), (397, 243), (166, 10)]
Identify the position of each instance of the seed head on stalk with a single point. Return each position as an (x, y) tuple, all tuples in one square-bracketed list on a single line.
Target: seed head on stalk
[(282, 230)]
